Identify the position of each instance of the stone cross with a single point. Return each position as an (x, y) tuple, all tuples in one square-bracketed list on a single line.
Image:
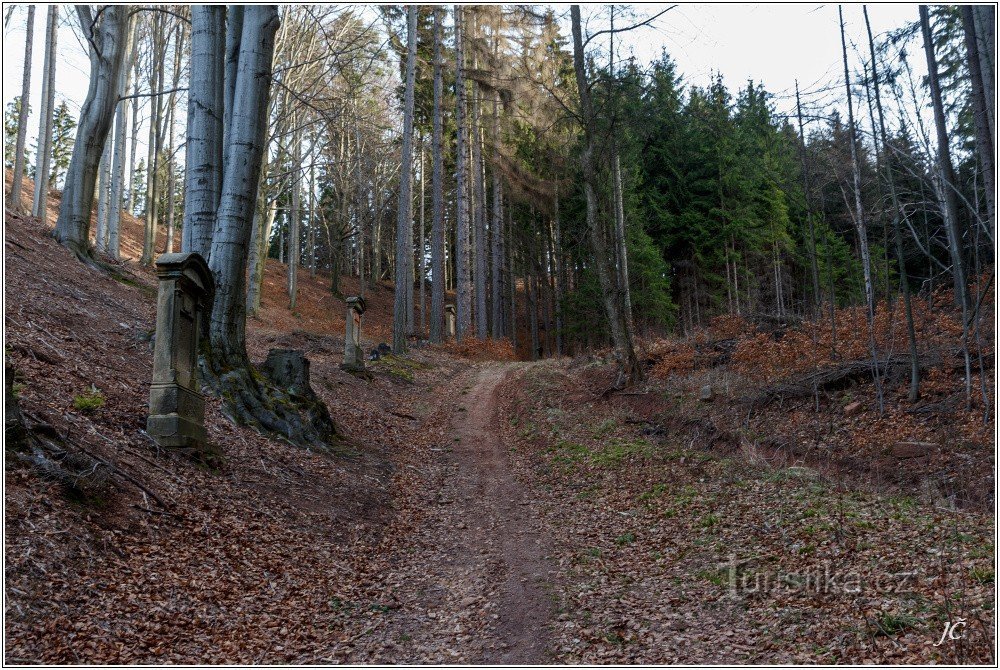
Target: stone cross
[(449, 320), (354, 356), (176, 407)]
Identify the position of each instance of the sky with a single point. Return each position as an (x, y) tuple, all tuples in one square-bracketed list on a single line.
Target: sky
[(774, 44)]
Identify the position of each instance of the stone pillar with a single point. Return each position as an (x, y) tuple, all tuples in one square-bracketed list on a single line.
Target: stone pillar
[(354, 356), (449, 321), (176, 407)]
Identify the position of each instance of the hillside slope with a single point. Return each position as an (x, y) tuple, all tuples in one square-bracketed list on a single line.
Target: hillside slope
[(207, 576)]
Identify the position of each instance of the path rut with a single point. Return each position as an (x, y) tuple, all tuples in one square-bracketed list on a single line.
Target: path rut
[(472, 584)]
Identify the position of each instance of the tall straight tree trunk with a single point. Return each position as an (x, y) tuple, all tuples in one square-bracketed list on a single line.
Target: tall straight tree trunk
[(463, 301), (108, 37), (511, 280), (118, 161), (621, 335), (437, 188), (241, 176), (134, 126), (496, 229), (904, 284), (859, 222), (813, 264), (621, 255), (404, 212), (480, 268), (229, 24), (559, 287), (948, 185), (203, 146), (421, 248), (985, 17), (312, 208), (22, 117), (157, 55), (263, 221), (103, 193), (43, 156), (295, 220), (984, 138)]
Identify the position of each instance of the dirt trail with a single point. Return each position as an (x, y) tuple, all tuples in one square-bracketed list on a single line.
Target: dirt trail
[(471, 585)]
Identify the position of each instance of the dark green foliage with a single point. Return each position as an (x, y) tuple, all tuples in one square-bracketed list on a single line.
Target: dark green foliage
[(10, 117)]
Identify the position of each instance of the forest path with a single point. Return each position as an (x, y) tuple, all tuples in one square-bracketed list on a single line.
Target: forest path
[(470, 586)]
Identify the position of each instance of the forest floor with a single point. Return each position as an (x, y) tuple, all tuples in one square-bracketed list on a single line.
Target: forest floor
[(480, 511)]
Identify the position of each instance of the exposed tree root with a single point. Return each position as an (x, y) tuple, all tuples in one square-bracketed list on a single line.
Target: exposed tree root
[(295, 415)]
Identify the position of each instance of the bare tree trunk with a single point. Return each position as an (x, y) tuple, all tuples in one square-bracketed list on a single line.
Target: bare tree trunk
[(14, 202), (118, 163), (263, 222), (229, 22), (43, 156), (203, 147), (463, 301), (437, 188), (294, 220), (813, 265), (948, 195), (134, 127), (157, 55), (859, 222), (985, 19), (984, 138), (422, 250), (241, 177), (904, 284), (511, 280), (404, 213), (103, 193), (480, 267), (631, 371), (312, 208), (496, 230), (108, 37), (557, 260)]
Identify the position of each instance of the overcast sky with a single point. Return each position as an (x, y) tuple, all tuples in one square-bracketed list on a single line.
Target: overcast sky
[(773, 44)]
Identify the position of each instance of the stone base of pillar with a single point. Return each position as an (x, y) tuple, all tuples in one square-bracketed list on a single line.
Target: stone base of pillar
[(175, 431)]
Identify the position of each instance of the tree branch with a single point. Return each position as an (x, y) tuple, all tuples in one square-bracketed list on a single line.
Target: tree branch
[(632, 27)]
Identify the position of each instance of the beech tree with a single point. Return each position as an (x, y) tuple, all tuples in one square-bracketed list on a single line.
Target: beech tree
[(107, 33), (43, 155), (14, 201)]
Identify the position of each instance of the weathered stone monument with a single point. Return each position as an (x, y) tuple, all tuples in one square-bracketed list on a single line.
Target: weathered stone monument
[(449, 321), (176, 407), (354, 356)]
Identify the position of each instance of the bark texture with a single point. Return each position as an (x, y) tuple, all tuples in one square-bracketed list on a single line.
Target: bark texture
[(22, 117), (437, 197), (203, 148), (108, 35)]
